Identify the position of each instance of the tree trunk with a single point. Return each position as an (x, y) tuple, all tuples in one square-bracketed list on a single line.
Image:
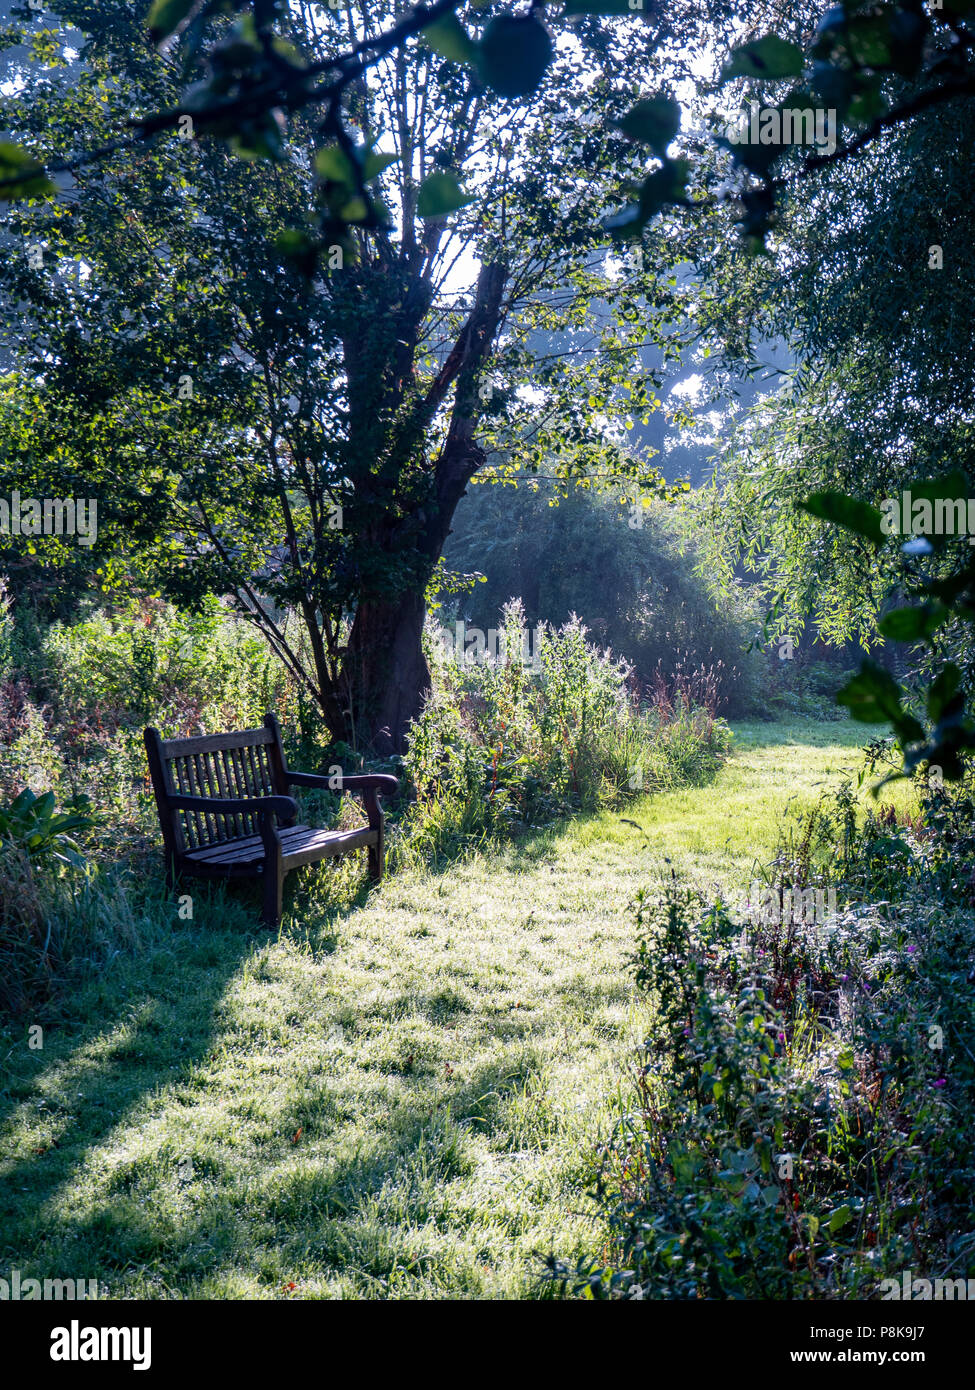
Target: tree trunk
[(385, 673)]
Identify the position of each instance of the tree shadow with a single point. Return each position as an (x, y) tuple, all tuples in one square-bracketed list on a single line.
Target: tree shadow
[(310, 1214), (143, 1025), (147, 1025)]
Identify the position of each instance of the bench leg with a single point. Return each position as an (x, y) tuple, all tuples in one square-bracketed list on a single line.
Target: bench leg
[(377, 821), (173, 876), (273, 886), (376, 855)]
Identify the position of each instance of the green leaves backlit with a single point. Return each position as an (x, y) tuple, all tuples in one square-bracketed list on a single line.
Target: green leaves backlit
[(26, 175), (770, 57), (439, 195)]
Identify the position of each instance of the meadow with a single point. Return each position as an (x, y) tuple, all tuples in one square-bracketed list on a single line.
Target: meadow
[(404, 1092)]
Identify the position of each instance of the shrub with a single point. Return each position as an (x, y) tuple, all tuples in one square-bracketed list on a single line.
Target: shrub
[(145, 662), (37, 844), (632, 574), (799, 1126), (503, 746)]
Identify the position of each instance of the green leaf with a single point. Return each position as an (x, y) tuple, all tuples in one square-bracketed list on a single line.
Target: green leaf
[(440, 194), (654, 122), (165, 17), (848, 512), (868, 41), (943, 690), (666, 185), (450, 39), (663, 186), (374, 164), (514, 53), (296, 244), (869, 104), (334, 165), (840, 1218), (913, 624), (872, 696), (770, 57), (17, 163), (355, 210), (953, 484), (836, 87)]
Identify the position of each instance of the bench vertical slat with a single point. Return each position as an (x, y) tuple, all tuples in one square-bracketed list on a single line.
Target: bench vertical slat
[(202, 828), (210, 821), (218, 829), (240, 778), (255, 781), (259, 757), (204, 824), (267, 776), (186, 818), (228, 828), (216, 780), (227, 788), (276, 758), (240, 758), (246, 822), (221, 826)]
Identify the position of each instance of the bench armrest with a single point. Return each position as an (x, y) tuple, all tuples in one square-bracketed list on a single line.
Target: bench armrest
[(284, 807), (383, 782)]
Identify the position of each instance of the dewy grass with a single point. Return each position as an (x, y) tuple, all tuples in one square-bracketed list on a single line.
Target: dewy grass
[(399, 1096)]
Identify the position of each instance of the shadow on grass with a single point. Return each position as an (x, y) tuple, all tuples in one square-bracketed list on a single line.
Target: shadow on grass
[(334, 1216), (143, 1021), (147, 1023)]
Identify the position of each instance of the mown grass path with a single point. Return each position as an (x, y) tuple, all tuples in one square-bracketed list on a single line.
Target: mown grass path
[(401, 1100)]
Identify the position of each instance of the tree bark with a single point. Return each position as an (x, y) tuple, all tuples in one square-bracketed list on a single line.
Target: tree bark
[(385, 672), (385, 675)]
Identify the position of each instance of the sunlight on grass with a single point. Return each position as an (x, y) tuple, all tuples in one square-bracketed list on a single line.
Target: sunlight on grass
[(395, 1099)]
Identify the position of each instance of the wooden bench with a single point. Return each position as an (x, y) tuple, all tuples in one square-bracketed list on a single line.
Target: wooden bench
[(225, 811)]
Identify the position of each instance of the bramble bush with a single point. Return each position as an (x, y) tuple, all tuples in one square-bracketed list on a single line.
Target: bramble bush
[(797, 1125), (502, 747)]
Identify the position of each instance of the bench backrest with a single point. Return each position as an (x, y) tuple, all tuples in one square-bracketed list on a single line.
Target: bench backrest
[(236, 765)]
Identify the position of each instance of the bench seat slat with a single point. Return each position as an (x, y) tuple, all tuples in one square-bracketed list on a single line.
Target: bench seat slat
[(300, 844)]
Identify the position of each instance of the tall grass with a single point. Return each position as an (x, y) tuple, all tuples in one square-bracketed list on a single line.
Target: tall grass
[(500, 749), (800, 1123), (506, 745)]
